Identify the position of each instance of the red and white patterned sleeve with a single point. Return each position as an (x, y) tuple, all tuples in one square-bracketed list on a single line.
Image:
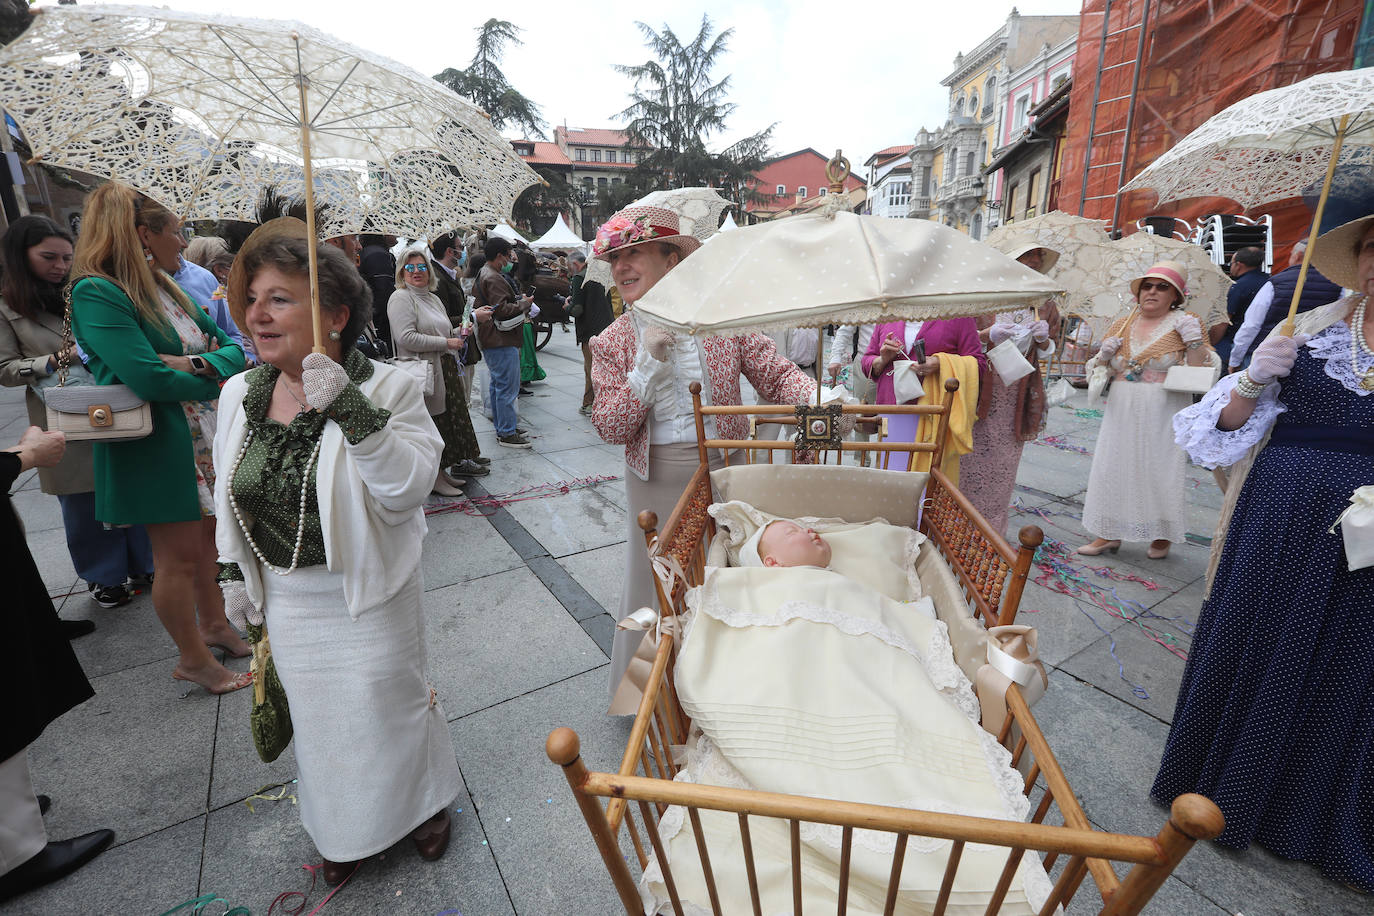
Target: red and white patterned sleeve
[(617, 413)]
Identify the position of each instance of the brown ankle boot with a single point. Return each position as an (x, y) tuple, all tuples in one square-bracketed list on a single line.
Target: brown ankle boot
[(431, 837)]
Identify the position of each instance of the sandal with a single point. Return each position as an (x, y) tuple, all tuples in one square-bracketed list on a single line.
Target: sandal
[(239, 681)]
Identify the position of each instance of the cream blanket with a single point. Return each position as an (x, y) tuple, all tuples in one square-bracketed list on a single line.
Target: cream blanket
[(803, 681)]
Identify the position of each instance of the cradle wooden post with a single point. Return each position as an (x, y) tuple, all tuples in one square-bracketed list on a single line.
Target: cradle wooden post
[(1030, 538), (695, 389), (564, 749), (1191, 818)]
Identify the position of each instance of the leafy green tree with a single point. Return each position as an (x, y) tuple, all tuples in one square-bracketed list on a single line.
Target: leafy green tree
[(486, 85), (677, 105)]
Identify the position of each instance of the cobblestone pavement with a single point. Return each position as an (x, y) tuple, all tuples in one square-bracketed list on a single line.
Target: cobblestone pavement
[(518, 635)]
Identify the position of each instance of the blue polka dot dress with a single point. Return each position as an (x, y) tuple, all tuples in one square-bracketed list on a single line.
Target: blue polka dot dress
[(1275, 715)]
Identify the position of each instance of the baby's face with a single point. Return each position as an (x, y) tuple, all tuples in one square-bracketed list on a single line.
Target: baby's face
[(789, 544)]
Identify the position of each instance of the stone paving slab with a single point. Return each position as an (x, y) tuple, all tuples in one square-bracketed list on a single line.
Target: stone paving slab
[(551, 866), (148, 875), (501, 638)]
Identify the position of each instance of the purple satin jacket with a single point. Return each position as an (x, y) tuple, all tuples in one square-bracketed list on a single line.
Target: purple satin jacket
[(950, 335)]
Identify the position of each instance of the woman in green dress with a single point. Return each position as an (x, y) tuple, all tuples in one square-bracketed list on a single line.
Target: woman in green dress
[(138, 328)]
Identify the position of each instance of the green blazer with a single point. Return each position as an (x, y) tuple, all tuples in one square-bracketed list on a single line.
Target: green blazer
[(150, 480)]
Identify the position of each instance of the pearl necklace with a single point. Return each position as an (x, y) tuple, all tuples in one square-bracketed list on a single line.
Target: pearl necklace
[(1358, 345), (300, 522)]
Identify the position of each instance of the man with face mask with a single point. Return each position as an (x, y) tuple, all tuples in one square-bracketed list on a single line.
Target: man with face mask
[(500, 330)]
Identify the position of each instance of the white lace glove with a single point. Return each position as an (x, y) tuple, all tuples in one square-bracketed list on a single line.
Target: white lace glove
[(1002, 330), (1040, 331), (238, 607), (1189, 328), (323, 380), (1274, 358), (1109, 348), (656, 341)]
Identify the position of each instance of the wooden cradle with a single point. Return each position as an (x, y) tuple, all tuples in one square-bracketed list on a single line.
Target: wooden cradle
[(962, 549)]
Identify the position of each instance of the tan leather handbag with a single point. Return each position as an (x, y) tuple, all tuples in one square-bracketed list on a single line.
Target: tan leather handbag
[(108, 413)]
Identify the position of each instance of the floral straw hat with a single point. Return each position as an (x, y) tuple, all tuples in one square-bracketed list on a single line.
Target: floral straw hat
[(638, 225), (1171, 272)]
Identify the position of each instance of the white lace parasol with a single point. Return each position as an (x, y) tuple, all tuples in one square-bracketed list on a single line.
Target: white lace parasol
[(1271, 145), (1085, 256), (201, 112)]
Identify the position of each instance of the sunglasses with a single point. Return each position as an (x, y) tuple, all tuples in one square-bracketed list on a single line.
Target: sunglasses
[(1161, 286), (417, 268)]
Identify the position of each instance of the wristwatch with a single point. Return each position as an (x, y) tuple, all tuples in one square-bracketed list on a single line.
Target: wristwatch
[(198, 365)]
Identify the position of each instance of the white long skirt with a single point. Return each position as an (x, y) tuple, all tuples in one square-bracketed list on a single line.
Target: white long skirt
[(372, 745), (1135, 488)]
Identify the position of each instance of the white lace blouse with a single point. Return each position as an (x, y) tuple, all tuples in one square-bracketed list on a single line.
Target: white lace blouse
[(662, 386), (1195, 427)]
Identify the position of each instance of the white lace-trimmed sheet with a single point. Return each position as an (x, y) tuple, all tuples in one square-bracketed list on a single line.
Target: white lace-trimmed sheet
[(1195, 427), (895, 721)]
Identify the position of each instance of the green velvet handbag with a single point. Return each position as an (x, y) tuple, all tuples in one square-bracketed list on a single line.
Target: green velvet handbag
[(270, 718)]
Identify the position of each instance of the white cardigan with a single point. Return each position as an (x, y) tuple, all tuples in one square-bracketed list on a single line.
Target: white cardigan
[(370, 494)]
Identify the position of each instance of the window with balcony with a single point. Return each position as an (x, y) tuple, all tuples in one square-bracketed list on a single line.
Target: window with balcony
[(596, 155), (581, 154)]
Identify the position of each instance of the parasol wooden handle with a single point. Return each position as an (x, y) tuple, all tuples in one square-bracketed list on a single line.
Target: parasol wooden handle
[(316, 322), (1286, 329)]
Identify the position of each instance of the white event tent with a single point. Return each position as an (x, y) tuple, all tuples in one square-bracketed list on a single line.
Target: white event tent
[(558, 236)]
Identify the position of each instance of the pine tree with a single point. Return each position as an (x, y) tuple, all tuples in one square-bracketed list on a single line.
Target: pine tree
[(677, 105), (486, 85)]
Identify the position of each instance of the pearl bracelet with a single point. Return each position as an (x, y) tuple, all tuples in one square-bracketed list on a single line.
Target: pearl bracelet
[(1247, 387)]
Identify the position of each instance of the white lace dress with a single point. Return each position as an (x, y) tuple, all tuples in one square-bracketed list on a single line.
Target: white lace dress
[(1136, 486)]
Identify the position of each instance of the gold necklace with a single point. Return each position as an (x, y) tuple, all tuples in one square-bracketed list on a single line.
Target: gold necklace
[(287, 388)]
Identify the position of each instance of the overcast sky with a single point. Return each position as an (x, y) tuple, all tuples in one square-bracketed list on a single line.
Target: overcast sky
[(867, 82)]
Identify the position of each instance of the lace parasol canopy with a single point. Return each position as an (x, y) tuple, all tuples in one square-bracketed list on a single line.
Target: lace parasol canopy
[(201, 112)]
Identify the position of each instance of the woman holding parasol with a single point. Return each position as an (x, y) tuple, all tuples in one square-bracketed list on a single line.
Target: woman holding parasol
[(325, 459), (1275, 715), (1135, 488)]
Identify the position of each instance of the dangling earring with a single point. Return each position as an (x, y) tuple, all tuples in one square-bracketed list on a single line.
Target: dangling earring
[(335, 335), (147, 255)]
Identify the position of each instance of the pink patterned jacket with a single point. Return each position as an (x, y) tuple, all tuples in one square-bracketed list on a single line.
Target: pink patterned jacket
[(621, 419)]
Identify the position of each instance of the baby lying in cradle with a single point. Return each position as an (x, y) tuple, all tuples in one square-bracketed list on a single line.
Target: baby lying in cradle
[(830, 680), (785, 543)]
